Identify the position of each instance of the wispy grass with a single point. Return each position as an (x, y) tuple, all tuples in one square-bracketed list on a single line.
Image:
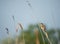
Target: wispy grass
[(42, 35), (43, 28), (20, 25), (8, 35)]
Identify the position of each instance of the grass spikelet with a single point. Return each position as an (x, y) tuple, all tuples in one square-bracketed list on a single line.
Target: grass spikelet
[(20, 26), (22, 31), (43, 28)]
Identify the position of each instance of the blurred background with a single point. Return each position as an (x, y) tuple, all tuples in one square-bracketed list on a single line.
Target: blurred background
[(20, 18)]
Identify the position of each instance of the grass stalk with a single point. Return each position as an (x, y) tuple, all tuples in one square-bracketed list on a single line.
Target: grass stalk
[(47, 37), (23, 33), (36, 33)]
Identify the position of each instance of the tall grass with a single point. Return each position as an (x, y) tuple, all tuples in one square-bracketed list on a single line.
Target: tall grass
[(19, 25), (43, 28), (8, 35), (37, 39), (42, 35)]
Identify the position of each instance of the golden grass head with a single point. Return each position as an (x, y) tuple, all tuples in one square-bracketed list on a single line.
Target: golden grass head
[(20, 25), (42, 26)]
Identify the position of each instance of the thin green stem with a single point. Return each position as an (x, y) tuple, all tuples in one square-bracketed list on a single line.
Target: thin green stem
[(23, 37), (47, 37), (42, 37)]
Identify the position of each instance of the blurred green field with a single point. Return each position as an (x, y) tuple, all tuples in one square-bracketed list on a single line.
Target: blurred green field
[(30, 36)]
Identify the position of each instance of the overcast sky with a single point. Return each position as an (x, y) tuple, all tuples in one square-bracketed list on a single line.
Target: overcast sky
[(45, 11)]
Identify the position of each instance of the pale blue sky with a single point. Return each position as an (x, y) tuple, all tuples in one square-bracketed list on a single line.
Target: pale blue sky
[(46, 11)]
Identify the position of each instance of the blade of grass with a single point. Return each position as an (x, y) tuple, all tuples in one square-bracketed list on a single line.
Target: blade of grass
[(47, 37), (43, 28), (22, 31), (42, 35)]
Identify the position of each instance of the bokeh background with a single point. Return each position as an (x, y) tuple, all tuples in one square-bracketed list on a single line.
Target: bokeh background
[(29, 13)]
